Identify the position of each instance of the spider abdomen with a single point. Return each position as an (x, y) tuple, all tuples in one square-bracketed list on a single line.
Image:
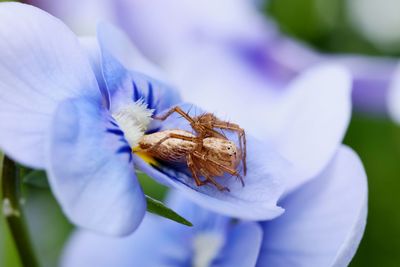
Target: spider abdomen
[(170, 150), (176, 150)]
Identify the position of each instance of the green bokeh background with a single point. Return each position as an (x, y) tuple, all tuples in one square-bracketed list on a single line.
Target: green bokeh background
[(324, 25)]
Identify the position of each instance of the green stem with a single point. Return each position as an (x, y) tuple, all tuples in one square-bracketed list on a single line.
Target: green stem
[(13, 213)]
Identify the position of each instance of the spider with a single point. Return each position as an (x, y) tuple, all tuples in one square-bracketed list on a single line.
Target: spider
[(216, 157), (204, 125), (208, 154)]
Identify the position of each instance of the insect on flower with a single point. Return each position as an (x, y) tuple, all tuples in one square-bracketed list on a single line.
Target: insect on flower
[(209, 153)]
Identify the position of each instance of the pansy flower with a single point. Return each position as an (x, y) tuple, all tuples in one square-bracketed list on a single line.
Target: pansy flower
[(322, 226), (57, 116)]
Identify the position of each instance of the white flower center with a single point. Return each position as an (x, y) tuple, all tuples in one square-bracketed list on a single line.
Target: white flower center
[(133, 119), (206, 247)]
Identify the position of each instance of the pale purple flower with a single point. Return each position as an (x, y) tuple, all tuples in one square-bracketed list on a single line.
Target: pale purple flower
[(372, 75), (322, 226), (57, 116), (304, 121)]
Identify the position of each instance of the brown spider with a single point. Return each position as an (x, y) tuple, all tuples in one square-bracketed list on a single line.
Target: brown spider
[(205, 125), (209, 154), (216, 157)]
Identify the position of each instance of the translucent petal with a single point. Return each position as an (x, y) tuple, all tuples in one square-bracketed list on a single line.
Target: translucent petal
[(41, 64), (91, 171), (324, 220)]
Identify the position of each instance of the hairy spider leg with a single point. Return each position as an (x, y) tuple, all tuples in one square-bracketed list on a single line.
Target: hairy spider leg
[(212, 180), (224, 168), (213, 133), (177, 110), (193, 169), (193, 122), (242, 139), (184, 115)]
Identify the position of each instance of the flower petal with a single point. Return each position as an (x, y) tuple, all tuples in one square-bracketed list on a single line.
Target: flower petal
[(91, 46), (41, 63), (91, 172), (166, 248), (314, 113), (286, 58), (168, 243), (118, 44), (82, 20), (162, 28), (306, 121), (146, 248), (244, 242), (220, 81), (324, 220), (264, 184), (124, 86)]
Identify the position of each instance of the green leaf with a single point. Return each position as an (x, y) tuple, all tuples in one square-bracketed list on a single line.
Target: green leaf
[(36, 179), (157, 207), (151, 187)]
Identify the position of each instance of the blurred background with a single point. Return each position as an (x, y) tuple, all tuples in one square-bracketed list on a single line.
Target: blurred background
[(367, 27)]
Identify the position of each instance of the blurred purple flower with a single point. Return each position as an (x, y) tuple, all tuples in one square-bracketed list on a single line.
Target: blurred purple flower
[(240, 34), (322, 226), (246, 37), (214, 240), (372, 75)]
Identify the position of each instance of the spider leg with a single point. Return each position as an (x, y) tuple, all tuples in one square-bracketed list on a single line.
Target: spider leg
[(177, 110), (242, 138), (212, 180), (169, 136), (224, 168), (193, 169), (213, 133)]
